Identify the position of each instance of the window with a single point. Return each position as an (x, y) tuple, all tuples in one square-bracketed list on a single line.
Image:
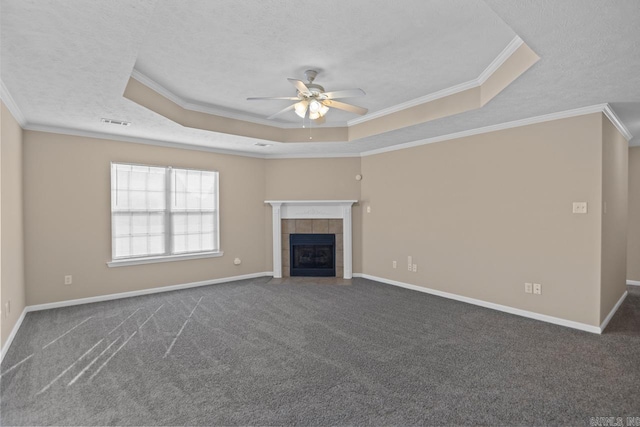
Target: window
[(162, 214)]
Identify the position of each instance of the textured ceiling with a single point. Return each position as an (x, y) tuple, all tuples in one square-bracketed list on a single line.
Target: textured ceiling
[(66, 63), (230, 50)]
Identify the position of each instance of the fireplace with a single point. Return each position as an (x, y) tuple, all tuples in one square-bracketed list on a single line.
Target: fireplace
[(309, 217), (312, 255)]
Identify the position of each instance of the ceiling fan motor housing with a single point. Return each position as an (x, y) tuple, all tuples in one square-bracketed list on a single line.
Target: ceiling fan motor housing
[(315, 89), (310, 75)]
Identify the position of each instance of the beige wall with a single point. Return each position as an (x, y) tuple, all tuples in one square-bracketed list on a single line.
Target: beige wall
[(633, 244), (615, 179), (11, 223), (482, 215), (68, 223), (67, 205), (315, 179)]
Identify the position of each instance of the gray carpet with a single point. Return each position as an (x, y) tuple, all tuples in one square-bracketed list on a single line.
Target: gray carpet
[(312, 353)]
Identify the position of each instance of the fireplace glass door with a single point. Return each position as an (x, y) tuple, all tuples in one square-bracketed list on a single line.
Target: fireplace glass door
[(313, 255)]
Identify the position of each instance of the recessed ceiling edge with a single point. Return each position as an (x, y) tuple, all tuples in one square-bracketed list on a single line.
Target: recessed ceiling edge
[(465, 97)]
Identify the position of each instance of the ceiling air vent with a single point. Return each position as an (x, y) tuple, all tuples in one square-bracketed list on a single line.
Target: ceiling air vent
[(260, 144), (116, 122)]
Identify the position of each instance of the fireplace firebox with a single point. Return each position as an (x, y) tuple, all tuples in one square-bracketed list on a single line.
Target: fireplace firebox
[(313, 255)]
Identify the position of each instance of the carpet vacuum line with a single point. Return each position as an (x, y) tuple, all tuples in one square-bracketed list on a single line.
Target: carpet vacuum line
[(67, 332), (16, 365), (86, 368), (122, 323), (149, 318), (181, 329), (111, 357), (69, 368)]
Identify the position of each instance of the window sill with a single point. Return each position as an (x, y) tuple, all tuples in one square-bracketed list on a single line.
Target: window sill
[(167, 258)]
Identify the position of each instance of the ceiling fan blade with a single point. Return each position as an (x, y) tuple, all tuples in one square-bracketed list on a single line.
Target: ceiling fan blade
[(284, 110), (346, 107), (288, 98), (302, 88), (348, 93)]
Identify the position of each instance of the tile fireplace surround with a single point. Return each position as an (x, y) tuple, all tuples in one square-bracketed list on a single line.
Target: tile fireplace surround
[(312, 209)]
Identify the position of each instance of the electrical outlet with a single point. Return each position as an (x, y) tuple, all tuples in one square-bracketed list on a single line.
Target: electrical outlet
[(528, 288), (68, 280), (537, 288), (368, 209), (410, 263), (415, 268), (395, 264), (579, 207)]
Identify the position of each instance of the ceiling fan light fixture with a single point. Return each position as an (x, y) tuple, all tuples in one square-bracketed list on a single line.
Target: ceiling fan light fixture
[(313, 102), (301, 109), (314, 106)]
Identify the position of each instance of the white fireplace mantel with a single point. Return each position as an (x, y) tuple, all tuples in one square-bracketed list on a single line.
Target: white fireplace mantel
[(311, 209)]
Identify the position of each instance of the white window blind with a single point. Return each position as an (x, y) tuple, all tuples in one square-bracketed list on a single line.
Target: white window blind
[(161, 211), (194, 211)]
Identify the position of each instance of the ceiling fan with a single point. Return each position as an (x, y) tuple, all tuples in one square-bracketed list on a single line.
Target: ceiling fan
[(313, 102)]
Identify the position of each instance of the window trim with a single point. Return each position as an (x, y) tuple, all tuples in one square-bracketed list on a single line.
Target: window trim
[(167, 257)]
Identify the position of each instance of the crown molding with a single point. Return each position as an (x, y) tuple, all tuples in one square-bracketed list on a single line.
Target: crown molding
[(414, 102), (599, 108), (8, 100), (506, 53), (204, 108), (613, 118), (311, 156), (137, 140), (179, 145)]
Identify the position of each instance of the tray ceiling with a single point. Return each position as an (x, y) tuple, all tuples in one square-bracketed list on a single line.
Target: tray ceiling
[(65, 65)]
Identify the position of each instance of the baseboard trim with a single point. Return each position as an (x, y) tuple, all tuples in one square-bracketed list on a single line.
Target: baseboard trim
[(130, 294), (633, 282), (481, 303), (12, 335), (493, 306), (615, 308)]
